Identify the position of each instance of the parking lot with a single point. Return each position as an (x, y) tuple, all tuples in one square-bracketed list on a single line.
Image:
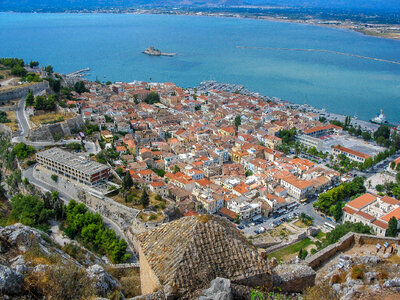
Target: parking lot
[(351, 142)]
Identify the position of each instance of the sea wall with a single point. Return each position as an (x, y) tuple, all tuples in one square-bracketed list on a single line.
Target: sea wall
[(19, 92)]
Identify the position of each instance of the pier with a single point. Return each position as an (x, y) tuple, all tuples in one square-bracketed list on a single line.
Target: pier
[(78, 73)]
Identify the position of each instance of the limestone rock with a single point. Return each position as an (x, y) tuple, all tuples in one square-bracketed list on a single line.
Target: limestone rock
[(21, 236), (11, 283), (369, 259), (103, 282), (393, 282), (220, 290)]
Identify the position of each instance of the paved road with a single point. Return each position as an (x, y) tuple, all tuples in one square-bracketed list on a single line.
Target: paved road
[(28, 173), (319, 220)]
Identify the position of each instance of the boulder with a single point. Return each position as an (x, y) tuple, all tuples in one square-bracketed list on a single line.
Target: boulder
[(313, 231), (220, 289), (103, 282), (22, 237), (11, 283)]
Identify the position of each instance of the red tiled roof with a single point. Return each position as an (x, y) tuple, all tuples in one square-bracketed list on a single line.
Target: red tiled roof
[(351, 151), (228, 212), (395, 213), (390, 200), (362, 201), (365, 215), (380, 224), (349, 210)]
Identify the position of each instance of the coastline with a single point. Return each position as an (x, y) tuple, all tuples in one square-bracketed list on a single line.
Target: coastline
[(347, 25)]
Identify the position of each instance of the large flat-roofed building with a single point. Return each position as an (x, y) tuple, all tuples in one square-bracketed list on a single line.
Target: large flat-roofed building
[(372, 211), (76, 167), (310, 141)]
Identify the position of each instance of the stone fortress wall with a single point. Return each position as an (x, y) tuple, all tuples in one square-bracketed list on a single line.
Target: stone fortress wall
[(18, 92)]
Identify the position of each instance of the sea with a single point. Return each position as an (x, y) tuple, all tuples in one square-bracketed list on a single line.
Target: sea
[(264, 56)]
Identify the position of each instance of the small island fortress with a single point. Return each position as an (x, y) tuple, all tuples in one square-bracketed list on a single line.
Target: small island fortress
[(155, 52)]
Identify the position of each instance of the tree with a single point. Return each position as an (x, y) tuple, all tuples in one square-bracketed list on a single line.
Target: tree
[(33, 64), (382, 131), (29, 100), (22, 150), (176, 169), (80, 88), (302, 253), (366, 136), (54, 177), (338, 212), (238, 121), (19, 71), (49, 69), (144, 199), (392, 229), (152, 98), (127, 182)]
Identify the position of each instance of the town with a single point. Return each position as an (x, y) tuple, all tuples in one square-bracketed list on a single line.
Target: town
[(144, 155)]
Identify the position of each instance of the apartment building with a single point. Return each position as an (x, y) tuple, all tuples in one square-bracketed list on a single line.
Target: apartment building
[(76, 167)]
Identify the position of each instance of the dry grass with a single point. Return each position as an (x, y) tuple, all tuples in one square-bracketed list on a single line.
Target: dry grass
[(59, 282), (13, 124), (339, 278), (129, 279), (394, 259), (300, 224), (320, 291), (152, 217), (51, 117)]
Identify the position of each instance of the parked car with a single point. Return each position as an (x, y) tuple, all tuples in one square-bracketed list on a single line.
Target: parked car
[(241, 227)]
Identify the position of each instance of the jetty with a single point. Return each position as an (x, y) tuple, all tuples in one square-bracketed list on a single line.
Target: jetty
[(155, 52), (78, 73)]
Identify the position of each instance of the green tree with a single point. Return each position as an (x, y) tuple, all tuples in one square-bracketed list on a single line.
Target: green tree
[(22, 150), (392, 229), (33, 64), (144, 199), (302, 253), (127, 182), (176, 169), (49, 69), (29, 100), (152, 98), (80, 88), (19, 71), (366, 136), (238, 121), (338, 212), (54, 177)]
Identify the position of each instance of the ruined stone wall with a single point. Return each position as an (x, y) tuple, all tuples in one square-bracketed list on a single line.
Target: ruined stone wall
[(343, 244), (363, 239), (19, 92), (149, 282), (50, 132), (279, 246)]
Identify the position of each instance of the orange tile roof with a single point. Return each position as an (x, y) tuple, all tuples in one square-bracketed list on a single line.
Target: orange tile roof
[(362, 201), (365, 215), (349, 210), (395, 213), (390, 200), (351, 151), (381, 224), (228, 212)]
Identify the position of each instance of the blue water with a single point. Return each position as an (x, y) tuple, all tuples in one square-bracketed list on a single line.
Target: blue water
[(111, 46)]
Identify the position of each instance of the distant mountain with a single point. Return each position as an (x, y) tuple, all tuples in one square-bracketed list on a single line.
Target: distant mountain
[(91, 4)]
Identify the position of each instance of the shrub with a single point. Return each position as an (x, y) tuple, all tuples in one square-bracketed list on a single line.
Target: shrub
[(152, 217), (357, 272), (54, 177)]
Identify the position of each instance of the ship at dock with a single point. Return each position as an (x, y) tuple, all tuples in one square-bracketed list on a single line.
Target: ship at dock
[(156, 52), (380, 119)]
